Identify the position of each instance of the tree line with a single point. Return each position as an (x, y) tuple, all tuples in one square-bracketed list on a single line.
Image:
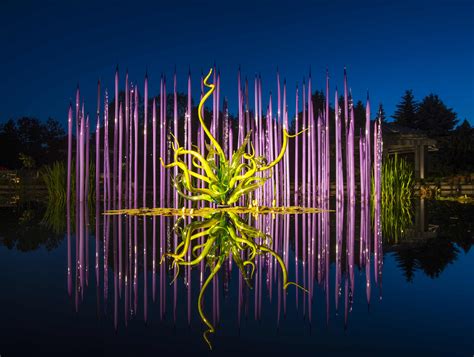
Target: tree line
[(28, 142)]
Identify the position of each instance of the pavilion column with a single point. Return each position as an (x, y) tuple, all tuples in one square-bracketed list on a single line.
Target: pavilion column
[(417, 161), (422, 161)]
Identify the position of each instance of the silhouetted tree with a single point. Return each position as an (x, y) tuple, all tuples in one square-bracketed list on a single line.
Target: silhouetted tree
[(359, 117), (406, 110), (54, 141), (434, 117), (9, 145), (381, 113), (41, 142), (463, 143), (319, 102), (456, 152)]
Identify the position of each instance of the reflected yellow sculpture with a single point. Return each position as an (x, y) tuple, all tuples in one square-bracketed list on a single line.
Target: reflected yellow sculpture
[(221, 236)]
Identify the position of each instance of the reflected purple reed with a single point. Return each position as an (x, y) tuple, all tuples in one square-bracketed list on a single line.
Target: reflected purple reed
[(314, 271)]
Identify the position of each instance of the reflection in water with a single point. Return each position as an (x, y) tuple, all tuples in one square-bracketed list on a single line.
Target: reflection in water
[(442, 236), (24, 228), (220, 260)]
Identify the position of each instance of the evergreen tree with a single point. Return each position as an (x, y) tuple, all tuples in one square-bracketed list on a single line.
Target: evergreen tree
[(10, 144), (319, 102), (381, 114), (359, 117), (464, 127), (462, 147), (456, 152), (434, 116), (405, 114)]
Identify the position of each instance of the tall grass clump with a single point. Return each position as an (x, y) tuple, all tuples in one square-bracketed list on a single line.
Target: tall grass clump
[(396, 197), (54, 177), (397, 181)]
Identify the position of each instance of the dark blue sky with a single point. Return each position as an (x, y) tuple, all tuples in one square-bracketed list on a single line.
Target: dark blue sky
[(48, 47)]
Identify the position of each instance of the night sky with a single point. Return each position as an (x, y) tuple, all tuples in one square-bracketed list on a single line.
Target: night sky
[(48, 47)]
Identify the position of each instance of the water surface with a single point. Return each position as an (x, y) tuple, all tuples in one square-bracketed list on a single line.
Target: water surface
[(414, 298)]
